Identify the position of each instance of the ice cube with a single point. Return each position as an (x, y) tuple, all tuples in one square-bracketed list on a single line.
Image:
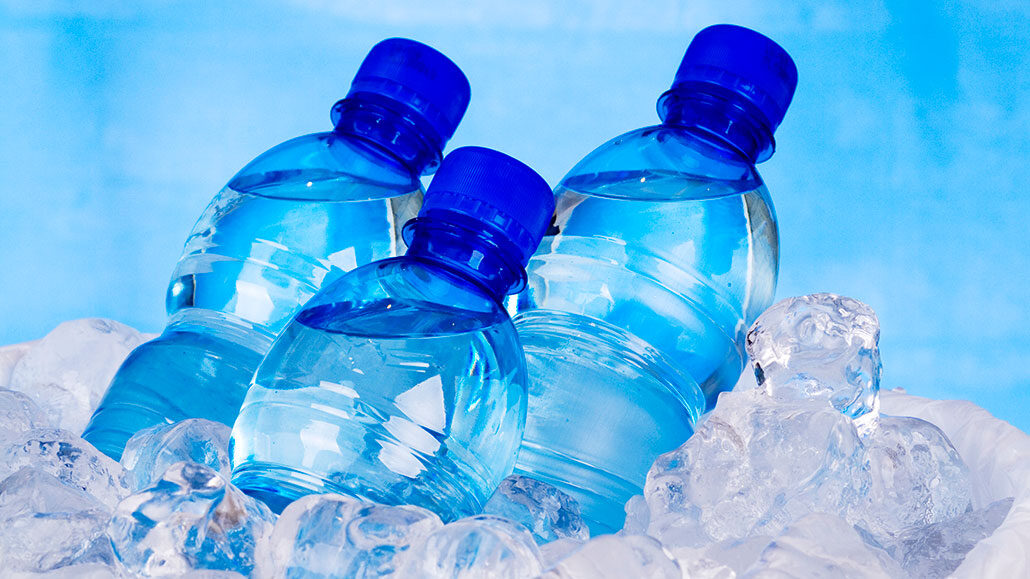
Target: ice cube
[(9, 356), (330, 535), (69, 458), (545, 511), (189, 519), (725, 559), (820, 346), (18, 413), (637, 516), (917, 478), (83, 571), (551, 553), (481, 546), (46, 524), (69, 370), (615, 557), (938, 549), (822, 545), (753, 467), (150, 452)]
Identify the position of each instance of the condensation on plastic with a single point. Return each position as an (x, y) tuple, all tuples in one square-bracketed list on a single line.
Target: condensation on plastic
[(997, 453)]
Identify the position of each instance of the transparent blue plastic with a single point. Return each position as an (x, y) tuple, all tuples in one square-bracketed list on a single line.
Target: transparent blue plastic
[(403, 382), (663, 251), (294, 219)]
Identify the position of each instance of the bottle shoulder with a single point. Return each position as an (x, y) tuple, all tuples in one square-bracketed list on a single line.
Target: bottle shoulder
[(326, 166), (402, 297), (662, 163)]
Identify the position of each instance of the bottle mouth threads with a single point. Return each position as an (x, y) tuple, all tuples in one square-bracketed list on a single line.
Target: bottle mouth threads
[(415, 83), (716, 112), (747, 75), (501, 206)]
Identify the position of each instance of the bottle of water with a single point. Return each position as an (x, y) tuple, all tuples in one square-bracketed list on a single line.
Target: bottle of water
[(294, 219), (404, 381), (663, 251)]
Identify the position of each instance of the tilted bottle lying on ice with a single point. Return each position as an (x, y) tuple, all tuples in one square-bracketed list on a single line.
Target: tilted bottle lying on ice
[(663, 251), (404, 380), (295, 218)]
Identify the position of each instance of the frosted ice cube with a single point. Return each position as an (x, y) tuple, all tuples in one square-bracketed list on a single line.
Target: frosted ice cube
[(722, 560), (69, 370), (753, 467), (191, 518), (638, 518), (9, 356), (821, 545), (551, 553), (481, 546), (18, 413), (83, 571), (917, 478), (547, 512), (820, 346), (938, 549), (616, 557), (69, 458), (150, 452), (329, 535), (45, 524)]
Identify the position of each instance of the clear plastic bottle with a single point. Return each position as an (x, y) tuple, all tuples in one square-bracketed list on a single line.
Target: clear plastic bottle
[(404, 381), (292, 220), (663, 251)]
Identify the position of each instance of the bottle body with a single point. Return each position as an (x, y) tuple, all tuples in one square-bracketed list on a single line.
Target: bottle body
[(399, 383), (664, 249), (296, 218)]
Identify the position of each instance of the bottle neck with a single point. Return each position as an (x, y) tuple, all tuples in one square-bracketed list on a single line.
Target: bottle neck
[(725, 118), (387, 124), (469, 248)]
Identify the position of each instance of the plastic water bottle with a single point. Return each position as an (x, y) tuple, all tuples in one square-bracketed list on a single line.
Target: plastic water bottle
[(295, 218), (404, 381), (663, 251)]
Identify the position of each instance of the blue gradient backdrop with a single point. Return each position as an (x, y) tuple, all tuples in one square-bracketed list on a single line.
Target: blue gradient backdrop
[(897, 179)]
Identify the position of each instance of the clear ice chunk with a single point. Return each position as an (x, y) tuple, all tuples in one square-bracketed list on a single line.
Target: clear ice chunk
[(937, 550), (68, 371), (189, 519), (615, 557), (822, 545), (332, 535), (753, 467), (483, 546), (71, 459), (46, 524), (917, 478), (821, 346), (18, 413), (150, 452), (547, 512)]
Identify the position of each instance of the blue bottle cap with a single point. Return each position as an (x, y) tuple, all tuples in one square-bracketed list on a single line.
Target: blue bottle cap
[(744, 62), (497, 191), (419, 78)]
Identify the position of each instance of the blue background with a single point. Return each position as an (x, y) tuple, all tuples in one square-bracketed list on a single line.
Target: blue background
[(898, 179)]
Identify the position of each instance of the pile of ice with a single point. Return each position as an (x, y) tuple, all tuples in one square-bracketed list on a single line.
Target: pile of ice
[(799, 475)]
